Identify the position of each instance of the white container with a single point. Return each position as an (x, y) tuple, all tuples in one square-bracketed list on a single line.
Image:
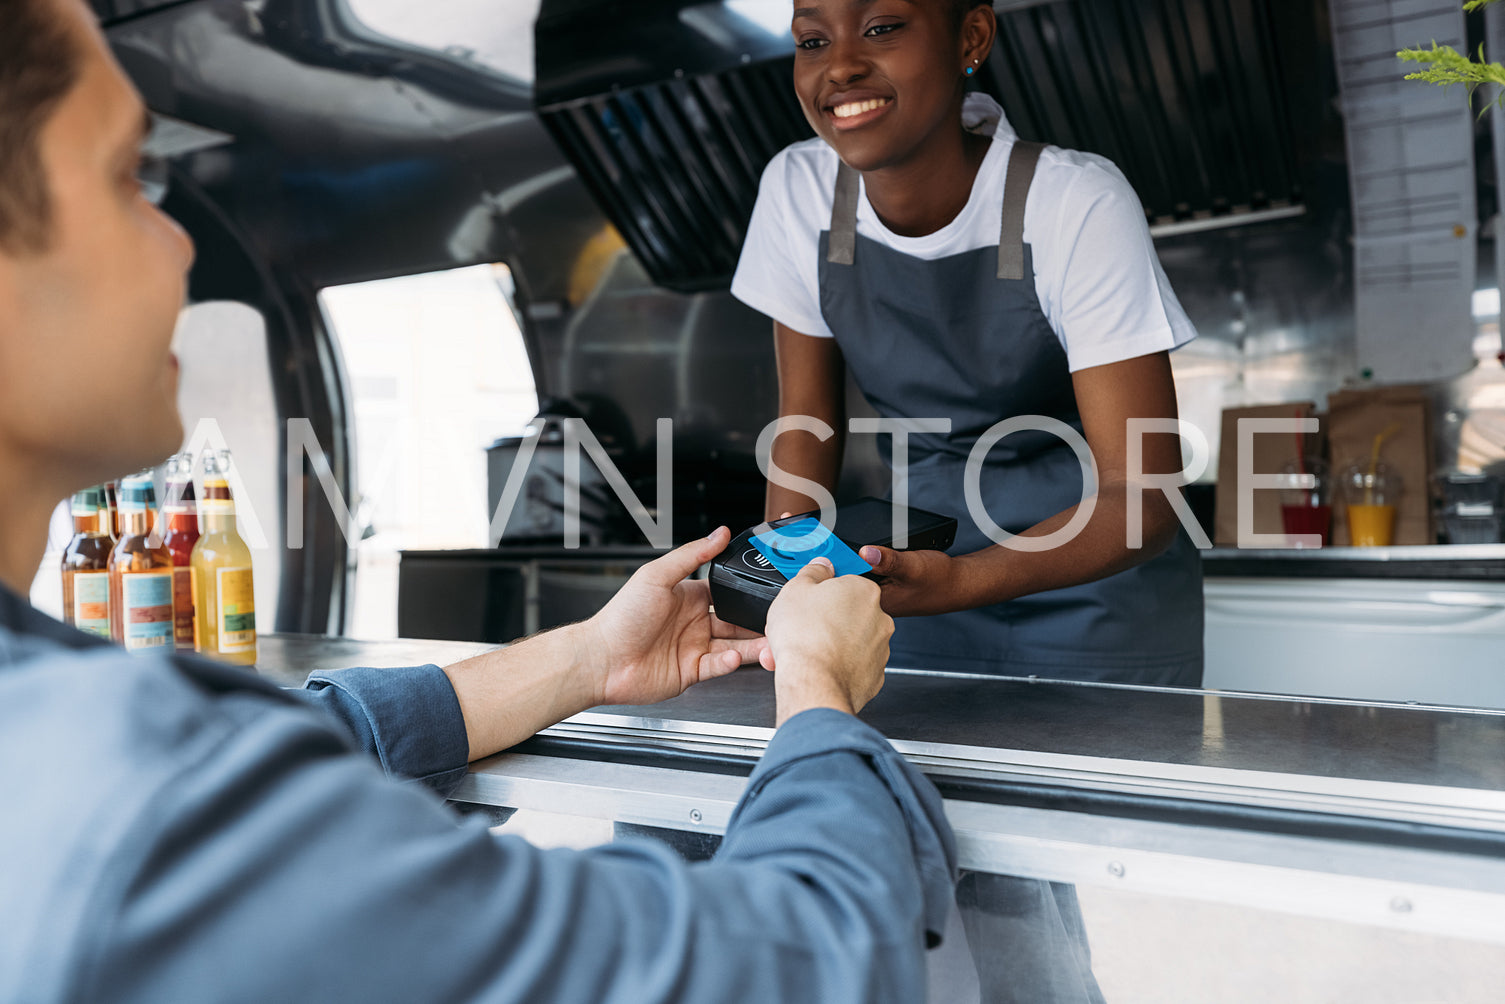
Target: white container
[(1431, 642)]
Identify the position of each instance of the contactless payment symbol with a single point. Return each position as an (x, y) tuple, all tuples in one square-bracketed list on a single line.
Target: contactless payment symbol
[(792, 547)]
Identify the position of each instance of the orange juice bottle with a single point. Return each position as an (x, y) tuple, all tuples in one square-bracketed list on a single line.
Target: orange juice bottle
[(140, 572), (224, 622), (86, 565)]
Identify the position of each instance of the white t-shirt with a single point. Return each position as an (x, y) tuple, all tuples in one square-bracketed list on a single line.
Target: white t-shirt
[(1101, 286)]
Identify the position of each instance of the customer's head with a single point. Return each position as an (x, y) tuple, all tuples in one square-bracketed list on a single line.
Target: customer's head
[(92, 275)]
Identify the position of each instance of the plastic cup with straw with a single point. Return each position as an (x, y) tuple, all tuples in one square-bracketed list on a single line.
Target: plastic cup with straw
[(1371, 494)]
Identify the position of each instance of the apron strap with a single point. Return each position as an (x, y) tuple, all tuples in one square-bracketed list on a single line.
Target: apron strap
[(843, 240), (1023, 160)]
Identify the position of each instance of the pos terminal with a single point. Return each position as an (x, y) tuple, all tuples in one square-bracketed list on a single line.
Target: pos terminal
[(747, 576)]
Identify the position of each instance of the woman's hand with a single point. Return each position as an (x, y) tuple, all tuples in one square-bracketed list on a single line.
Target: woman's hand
[(657, 637), (915, 583)]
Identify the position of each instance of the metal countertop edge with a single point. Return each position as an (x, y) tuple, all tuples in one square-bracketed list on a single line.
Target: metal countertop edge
[(1458, 808)]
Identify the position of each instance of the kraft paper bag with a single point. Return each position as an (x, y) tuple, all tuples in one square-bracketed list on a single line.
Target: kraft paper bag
[(1271, 452), (1355, 418)]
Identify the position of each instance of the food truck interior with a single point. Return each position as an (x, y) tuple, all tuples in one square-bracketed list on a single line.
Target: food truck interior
[(430, 234)]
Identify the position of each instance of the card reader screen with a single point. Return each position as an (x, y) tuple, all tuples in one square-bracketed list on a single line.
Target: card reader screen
[(795, 545)]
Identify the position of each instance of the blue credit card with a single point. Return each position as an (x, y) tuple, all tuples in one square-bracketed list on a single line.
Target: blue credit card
[(795, 545)]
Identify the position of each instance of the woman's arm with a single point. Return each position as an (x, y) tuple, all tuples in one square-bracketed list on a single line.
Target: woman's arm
[(812, 382), (929, 582)]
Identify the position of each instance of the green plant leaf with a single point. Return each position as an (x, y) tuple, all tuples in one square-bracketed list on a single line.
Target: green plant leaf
[(1446, 66)]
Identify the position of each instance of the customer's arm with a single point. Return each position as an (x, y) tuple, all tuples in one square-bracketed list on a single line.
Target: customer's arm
[(282, 867), (655, 638)]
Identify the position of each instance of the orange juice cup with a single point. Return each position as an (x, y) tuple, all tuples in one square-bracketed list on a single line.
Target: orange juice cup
[(1372, 491), (1371, 525)]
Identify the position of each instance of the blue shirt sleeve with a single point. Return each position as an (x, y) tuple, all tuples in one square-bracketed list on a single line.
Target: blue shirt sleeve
[(409, 719), (282, 866)]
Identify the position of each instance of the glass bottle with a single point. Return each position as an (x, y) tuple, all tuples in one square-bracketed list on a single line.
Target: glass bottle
[(224, 598), (181, 512), (112, 495), (140, 572), (86, 565)]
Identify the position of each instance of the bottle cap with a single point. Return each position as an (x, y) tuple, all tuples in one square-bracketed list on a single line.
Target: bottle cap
[(180, 495), (137, 493), (89, 501), (216, 462)]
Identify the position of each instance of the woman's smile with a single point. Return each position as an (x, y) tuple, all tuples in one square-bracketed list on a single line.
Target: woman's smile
[(855, 113)]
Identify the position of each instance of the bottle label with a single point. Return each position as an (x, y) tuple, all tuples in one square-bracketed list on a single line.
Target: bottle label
[(182, 606), (147, 615), (237, 610), (91, 603)]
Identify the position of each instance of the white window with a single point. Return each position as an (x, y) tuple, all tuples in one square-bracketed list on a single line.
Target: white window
[(438, 371), (495, 36)]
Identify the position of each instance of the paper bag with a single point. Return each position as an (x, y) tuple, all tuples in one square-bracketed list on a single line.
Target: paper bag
[(1271, 452), (1356, 417)]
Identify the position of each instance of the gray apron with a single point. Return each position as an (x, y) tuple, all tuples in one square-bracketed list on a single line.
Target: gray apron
[(965, 338)]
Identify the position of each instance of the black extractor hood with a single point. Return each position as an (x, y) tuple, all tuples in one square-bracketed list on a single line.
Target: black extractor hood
[(670, 109)]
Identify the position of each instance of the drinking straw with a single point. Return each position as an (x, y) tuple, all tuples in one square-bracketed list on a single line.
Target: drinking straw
[(1374, 461)]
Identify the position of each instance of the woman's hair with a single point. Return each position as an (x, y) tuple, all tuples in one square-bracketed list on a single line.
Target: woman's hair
[(961, 8), (39, 64)]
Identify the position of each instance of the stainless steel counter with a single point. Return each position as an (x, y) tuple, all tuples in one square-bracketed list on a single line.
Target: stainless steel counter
[(1387, 816), (1421, 765), (1452, 562), (290, 658), (1065, 745)]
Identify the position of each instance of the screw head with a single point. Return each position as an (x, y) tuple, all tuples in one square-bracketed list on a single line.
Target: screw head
[(695, 816), (1400, 904), (1116, 869)]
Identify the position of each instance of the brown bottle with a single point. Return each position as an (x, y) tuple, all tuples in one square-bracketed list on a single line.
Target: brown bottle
[(86, 565), (112, 491), (141, 608), (181, 513)]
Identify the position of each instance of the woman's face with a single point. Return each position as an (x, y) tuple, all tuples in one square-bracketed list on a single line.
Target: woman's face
[(877, 78)]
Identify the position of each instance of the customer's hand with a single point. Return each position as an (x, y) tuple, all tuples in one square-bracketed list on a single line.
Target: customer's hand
[(657, 637), (829, 641)]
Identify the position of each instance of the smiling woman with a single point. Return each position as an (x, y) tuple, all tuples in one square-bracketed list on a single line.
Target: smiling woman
[(971, 282)]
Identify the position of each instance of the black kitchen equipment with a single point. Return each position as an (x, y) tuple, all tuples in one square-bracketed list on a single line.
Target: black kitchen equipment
[(1471, 505), (537, 518)]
